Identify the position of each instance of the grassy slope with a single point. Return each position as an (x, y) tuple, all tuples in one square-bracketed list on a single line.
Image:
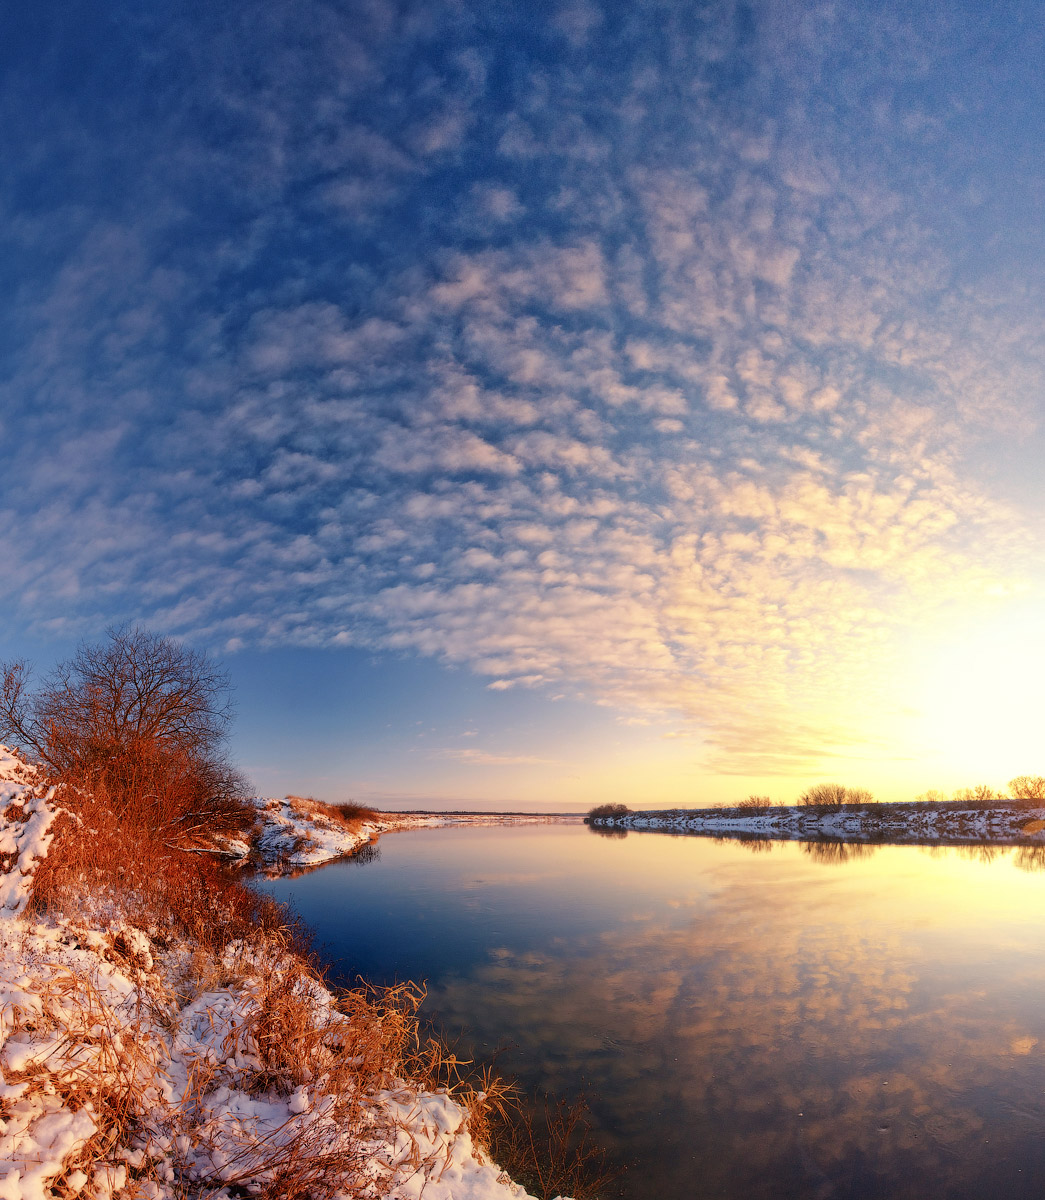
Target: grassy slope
[(163, 1037)]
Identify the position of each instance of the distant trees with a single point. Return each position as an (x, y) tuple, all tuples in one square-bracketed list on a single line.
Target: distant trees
[(932, 796), (138, 717), (834, 795), (982, 793), (1023, 787), (1027, 787), (606, 812)]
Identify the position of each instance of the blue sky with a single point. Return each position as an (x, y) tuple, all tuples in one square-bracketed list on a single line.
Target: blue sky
[(541, 403)]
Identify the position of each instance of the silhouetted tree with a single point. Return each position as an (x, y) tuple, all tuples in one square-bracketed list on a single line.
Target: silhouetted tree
[(982, 793)]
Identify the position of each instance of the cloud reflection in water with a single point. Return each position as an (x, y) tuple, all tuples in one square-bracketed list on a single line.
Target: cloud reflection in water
[(839, 1022)]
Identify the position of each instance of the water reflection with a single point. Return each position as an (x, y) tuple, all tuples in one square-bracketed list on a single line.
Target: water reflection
[(830, 1020), (755, 842), (369, 852), (834, 850), (1030, 858)]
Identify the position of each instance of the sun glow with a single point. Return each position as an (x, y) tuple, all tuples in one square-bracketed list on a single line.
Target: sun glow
[(980, 695)]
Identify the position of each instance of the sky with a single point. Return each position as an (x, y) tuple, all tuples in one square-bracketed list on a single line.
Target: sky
[(542, 404)]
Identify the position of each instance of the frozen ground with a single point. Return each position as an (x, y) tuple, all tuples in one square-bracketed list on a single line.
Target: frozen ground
[(135, 1065)]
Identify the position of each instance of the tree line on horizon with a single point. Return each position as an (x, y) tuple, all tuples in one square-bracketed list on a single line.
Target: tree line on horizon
[(1024, 788)]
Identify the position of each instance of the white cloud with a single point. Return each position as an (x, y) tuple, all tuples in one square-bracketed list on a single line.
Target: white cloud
[(483, 758), (692, 440)]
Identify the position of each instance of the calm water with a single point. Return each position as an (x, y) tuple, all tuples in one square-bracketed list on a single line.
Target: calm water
[(744, 1024)]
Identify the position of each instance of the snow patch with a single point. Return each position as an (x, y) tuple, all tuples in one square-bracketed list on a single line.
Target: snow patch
[(122, 1074)]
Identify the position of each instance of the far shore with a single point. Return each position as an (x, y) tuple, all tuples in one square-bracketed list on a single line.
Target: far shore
[(998, 822)]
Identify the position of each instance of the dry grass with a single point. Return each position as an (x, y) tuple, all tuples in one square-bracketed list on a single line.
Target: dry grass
[(106, 869), (547, 1146), (105, 864), (348, 814), (351, 815), (105, 1061), (98, 1062)]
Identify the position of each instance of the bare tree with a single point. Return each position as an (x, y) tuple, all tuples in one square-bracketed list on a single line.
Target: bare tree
[(138, 715), (755, 802), (834, 795), (1027, 787)]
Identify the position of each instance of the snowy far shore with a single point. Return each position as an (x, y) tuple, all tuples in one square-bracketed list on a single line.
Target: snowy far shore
[(1000, 822), (136, 1063)]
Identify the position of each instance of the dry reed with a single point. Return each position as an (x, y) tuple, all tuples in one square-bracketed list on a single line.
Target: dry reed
[(106, 869)]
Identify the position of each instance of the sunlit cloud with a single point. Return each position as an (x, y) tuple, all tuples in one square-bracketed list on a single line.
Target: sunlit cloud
[(621, 384), (483, 758), (781, 1018)]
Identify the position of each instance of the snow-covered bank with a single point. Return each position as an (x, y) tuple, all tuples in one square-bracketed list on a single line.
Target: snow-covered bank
[(298, 832), (128, 1073), (1001, 822), (137, 1064)]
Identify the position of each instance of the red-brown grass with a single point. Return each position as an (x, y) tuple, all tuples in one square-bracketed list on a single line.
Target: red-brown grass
[(350, 814), (112, 863), (105, 859), (346, 813)]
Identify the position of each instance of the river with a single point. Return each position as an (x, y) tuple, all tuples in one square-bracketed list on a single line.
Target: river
[(749, 1021)]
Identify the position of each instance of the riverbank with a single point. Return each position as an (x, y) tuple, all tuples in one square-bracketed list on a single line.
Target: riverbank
[(298, 833), (919, 822), (161, 1039)]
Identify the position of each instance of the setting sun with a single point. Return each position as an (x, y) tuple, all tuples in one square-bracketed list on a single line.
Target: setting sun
[(978, 692)]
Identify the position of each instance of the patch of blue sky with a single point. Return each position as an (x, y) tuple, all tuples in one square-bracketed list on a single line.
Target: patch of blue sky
[(641, 351)]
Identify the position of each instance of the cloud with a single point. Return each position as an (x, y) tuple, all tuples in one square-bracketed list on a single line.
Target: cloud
[(601, 382), (482, 758), (770, 1009)]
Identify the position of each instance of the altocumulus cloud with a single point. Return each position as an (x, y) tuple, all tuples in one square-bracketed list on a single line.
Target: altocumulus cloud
[(614, 348)]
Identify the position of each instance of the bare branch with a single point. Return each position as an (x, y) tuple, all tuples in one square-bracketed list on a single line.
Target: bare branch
[(137, 714)]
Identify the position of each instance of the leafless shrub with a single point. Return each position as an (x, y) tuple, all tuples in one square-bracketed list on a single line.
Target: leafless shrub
[(755, 802), (606, 812), (834, 795), (982, 793)]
